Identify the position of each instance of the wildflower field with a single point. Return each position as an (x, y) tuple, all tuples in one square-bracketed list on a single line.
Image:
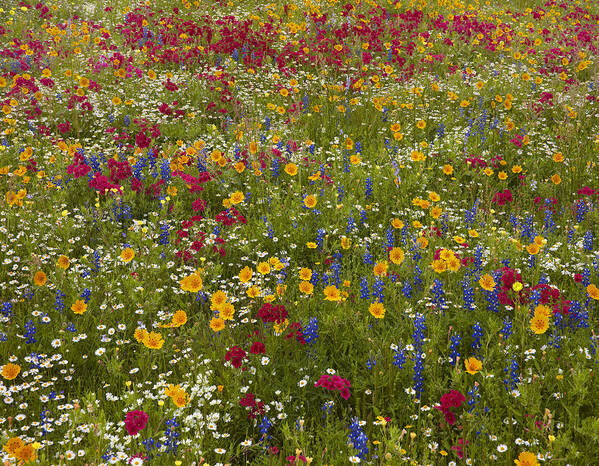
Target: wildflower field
[(314, 232)]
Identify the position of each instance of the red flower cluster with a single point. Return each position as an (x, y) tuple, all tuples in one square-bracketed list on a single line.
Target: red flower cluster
[(503, 197), (270, 313), (236, 356), (256, 407), (136, 421), (453, 399), (335, 383)]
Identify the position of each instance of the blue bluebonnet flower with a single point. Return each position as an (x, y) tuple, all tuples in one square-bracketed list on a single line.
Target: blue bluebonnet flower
[(6, 309), (264, 427), (477, 333), (407, 289), (512, 378), (172, 435), (357, 438), (368, 191), (371, 362), (473, 399), (310, 331), (59, 301), (439, 294), (30, 332), (364, 292), (419, 329), (378, 289), (399, 358), (467, 294), (587, 243), (454, 346)]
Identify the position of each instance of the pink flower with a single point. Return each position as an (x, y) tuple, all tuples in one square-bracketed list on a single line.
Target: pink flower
[(136, 421)]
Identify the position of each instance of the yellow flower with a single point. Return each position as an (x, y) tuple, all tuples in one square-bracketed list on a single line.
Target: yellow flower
[(421, 124), (345, 242), (533, 249), (263, 268), (217, 324), (153, 340), (380, 268), (192, 283), (291, 169), (397, 224), (453, 263), (311, 245), (305, 273), (447, 169), (331, 293), (558, 157), (486, 282), (10, 371), (526, 458), (39, 278), (542, 311), (439, 266), (473, 365), (237, 197), (556, 179), (517, 286), (179, 318), (306, 287), (396, 255), (539, 324), (310, 201), (218, 300), (473, 233), (180, 399), (245, 275), (377, 310), (127, 255), (79, 307), (227, 311), (593, 291)]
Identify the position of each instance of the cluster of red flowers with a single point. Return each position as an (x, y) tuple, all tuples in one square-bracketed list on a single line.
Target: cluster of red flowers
[(236, 355), (335, 383), (453, 399), (270, 313), (136, 421), (256, 407)]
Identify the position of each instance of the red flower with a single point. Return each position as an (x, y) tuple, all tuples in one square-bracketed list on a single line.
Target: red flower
[(136, 421)]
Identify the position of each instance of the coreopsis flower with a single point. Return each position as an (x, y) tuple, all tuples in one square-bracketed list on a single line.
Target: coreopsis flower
[(332, 293), (473, 365), (377, 310), (245, 275), (127, 255), (487, 282), (526, 458), (192, 283), (79, 307), (10, 371), (63, 262), (40, 278)]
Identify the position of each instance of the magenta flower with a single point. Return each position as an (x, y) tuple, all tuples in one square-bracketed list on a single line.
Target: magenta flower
[(136, 421)]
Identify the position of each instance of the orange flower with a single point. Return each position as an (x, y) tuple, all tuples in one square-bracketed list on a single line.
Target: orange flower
[(79, 307), (127, 255), (526, 458), (396, 255), (63, 262), (10, 371), (380, 268), (593, 291), (332, 293), (245, 275), (26, 453), (377, 310), (12, 446), (486, 282), (473, 365), (40, 278)]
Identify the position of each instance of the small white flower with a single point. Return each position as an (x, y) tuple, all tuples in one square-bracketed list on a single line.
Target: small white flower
[(56, 343), (220, 451), (69, 454), (354, 459), (502, 448), (100, 351)]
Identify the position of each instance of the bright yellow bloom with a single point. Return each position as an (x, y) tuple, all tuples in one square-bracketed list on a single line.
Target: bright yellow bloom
[(63, 262), (153, 340), (539, 324), (310, 201), (380, 268), (473, 365), (79, 307), (396, 255), (245, 275), (377, 310), (10, 371), (526, 458), (593, 291), (39, 278), (127, 255), (332, 293), (192, 283), (217, 324), (486, 282), (291, 169)]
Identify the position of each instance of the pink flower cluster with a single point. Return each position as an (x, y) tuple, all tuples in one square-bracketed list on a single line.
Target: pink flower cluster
[(335, 383), (136, 421), (453, 399)]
